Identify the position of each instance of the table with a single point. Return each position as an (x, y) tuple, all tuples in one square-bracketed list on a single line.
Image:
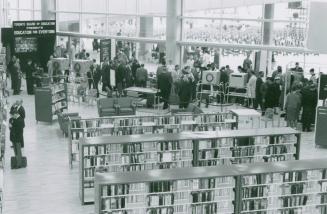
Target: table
[(147, 91), (248, 113)]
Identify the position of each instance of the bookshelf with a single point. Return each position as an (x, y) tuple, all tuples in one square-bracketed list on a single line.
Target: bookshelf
[(128, 125), (3, 127), (265, 188), (181, 150), (49, 101)]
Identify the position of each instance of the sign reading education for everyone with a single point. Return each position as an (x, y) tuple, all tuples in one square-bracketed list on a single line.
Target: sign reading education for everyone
[(34, 28)]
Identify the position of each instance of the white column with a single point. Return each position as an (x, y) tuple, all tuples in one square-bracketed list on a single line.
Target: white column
[(173, 31), (268, 27)]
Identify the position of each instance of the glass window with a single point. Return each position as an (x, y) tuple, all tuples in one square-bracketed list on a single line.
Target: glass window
[(71, 5), (37, 15), (37, 4), (94, 6), (122, 6), (13, 4), (157, 7), (12, 16), (122, 26), (94, 24), (25, 4), (225, 31), (68, 22), (25, 15)]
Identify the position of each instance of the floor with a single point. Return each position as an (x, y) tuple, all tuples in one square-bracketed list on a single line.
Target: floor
[(48, 185)]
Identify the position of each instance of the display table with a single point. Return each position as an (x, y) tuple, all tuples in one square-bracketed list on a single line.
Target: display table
[(247, 114), (147, 91)]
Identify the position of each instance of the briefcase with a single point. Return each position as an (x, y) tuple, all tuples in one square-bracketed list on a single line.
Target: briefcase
[(14, 164)]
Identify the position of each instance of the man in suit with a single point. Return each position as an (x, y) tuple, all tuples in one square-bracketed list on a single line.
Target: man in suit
[(164, 80), (16, 126), (18, 107)]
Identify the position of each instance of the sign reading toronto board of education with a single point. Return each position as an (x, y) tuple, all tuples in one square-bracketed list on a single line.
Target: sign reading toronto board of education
[(34, 28)]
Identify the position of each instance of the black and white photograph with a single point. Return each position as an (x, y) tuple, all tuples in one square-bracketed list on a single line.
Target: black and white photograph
[(163, 107)]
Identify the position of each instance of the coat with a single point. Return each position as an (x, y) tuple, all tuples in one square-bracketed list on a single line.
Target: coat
[(293, 106), (16, 130), (141, 74), (252, 86), (258, 88)]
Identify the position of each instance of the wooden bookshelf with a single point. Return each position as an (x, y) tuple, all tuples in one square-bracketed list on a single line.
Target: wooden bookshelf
[(270, 188), (182, 150), (3, 127), (128, 125), (49, 101)]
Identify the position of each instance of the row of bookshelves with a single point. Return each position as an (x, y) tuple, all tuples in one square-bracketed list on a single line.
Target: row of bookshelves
[(274, 188), (3, 127), (183, 150), (129, 125), (49, 101)]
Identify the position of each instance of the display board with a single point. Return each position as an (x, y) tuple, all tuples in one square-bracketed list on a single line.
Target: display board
[(34, 28), (34, 39), (105, 49), (320, 131), (323, 87)]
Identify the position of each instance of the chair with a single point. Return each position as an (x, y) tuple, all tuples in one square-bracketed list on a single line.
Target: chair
[(125, 106), (106, 107)]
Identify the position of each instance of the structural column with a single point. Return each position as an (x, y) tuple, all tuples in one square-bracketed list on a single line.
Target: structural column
[(268, 27), (173, 31), (46, 7), (145, 30)]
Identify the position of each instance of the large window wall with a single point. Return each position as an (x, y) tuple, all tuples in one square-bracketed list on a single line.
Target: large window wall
[(222, 22), (22, 10)]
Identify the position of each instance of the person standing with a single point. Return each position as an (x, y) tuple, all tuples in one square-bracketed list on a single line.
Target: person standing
[(29, 77), (141, 76), (309, 104), (89, 75), (247, 63), (292, 107), (96, 76), (105, 73), (251, 89), (121, 78), (21, 111), (185, 87), (313, 77), (258, 92), (11, 71), (50, 67), (16, 126), (17, 77), (165, 81), (162, 68), (278, 72)]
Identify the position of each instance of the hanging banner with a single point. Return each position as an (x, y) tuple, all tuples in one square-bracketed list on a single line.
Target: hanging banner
[(34, 28), (105, 49)]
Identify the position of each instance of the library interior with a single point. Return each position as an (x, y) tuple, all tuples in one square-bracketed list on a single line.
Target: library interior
[(163, 107)]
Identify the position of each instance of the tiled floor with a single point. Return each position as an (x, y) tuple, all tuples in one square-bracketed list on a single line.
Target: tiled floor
[(48, 185)]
